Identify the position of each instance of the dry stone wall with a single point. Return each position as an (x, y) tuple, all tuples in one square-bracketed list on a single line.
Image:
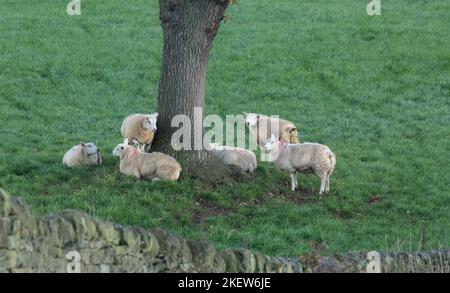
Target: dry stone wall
[(32, 244)]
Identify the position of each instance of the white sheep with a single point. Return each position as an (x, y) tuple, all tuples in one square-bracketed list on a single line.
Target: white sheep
[(261, 127), (240, 160), (148, 166), (83, 154), (140, 129), (302, 157)]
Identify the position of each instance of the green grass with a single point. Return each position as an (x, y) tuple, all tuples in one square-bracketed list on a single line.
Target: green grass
[(376, 90)]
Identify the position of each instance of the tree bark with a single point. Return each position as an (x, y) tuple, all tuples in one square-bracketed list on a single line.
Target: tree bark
[(189, 28)]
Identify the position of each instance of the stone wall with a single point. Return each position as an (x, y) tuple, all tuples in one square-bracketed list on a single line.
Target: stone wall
[(32, 244)]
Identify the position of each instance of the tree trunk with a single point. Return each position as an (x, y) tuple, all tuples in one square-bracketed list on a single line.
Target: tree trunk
[(189, 27)]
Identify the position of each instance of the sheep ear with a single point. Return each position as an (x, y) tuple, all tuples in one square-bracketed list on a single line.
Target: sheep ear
[(82, 144), (292, 130), (125, 141), (245, 114)]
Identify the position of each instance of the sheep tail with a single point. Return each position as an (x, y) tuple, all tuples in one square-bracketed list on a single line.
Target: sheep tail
[(332, 158)]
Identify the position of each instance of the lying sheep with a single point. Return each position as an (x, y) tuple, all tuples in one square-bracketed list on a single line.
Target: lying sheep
[(261, 127), (148, 166), (140, 129), (240, 160), (302, 157), (83, 154)]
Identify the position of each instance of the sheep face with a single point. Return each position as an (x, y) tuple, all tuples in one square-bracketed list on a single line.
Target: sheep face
[(149, 122), (120, 149), (90, 148), (271, 144), (251, 119)]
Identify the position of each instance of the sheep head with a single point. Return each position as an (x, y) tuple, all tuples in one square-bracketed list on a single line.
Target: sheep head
[(89, 148), (251, 119), (273, 143), (149, 122), (121, 149)]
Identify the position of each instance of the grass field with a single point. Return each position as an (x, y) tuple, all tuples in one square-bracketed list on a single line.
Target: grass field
[(376, 90)]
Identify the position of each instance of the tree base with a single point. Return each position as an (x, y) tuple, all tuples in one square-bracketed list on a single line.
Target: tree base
[(209, 169), (200, 165)]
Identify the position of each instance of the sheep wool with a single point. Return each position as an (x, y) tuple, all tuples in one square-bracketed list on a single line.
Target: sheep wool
[(83, 154), (240, 160), (262, 127), (140, 129), (146, 166), (303, 157)]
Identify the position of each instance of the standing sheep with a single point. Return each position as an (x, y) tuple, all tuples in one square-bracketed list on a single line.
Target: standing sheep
[(83, 154), (140, 129), (261, 127), (302, 157), (240, 160), (148, 166)]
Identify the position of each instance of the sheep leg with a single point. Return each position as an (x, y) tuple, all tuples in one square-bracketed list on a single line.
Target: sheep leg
[(296, 180), (137, 174), (327, 186), (322, 184), (293, 181), (156, 179)]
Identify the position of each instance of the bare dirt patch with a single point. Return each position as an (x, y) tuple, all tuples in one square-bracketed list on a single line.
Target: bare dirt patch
[(208, 209), (299, 197)]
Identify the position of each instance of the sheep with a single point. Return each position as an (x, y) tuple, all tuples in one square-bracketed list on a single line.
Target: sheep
[(240, 160), (302, 157), (140, 129), (83, 154), (146, 166), (261, 127)]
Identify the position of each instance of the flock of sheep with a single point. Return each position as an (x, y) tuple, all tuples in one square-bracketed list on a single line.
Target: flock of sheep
[(281, 143)]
